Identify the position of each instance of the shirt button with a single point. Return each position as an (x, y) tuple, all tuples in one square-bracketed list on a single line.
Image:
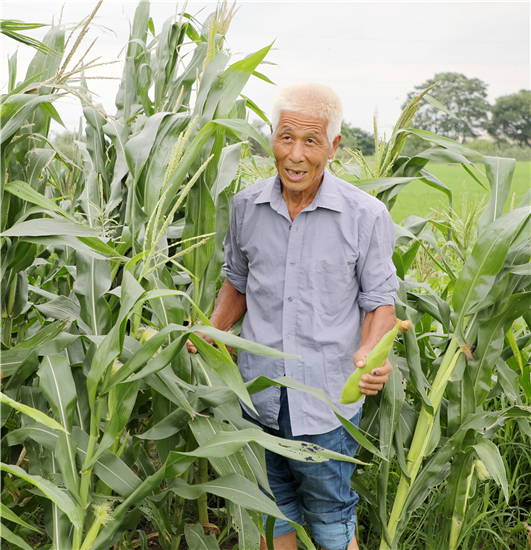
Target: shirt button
[(288, 336), (290, 299), (292, 262), (290, 227)]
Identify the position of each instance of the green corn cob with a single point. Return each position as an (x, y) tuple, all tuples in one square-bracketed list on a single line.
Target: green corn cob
[(376, 359)]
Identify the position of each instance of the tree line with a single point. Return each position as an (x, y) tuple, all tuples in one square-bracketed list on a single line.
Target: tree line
[(457, 108)]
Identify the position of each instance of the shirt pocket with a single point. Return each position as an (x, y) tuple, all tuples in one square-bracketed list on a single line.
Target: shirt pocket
[(332, 286)]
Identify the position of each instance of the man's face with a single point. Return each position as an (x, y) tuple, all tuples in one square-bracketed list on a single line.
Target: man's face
[(301, 149)]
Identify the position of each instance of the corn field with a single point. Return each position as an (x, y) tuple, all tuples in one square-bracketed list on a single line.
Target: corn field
[(114, 436)]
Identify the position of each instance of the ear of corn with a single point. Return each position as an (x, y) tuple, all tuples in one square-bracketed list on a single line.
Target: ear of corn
[(376, 359)]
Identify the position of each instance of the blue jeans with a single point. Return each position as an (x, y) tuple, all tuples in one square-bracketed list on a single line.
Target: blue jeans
[(319, 493)]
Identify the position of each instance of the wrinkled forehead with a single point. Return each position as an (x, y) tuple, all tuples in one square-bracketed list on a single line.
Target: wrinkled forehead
[(296, 121)]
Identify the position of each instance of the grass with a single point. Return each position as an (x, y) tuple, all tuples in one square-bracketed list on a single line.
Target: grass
[(421, 200)]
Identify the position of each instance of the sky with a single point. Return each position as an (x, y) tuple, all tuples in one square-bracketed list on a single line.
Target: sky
[(371, 53)]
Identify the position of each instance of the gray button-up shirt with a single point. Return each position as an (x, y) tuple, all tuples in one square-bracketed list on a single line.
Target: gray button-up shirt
[(307, 283)]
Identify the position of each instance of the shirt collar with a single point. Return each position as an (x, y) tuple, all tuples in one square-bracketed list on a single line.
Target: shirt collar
[(327, 196)]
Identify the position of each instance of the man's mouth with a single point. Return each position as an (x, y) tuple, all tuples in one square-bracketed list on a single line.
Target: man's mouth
[(296, 174)]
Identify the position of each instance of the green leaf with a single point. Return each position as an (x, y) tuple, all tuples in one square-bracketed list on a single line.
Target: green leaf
[(57, 496), (438, 105), (500, 174), (244, 522), (235, 78), (227, 443), (225, 367), (200, 220), (489, 454), (108, 438), (457, 494), (43, 336), (491, 340), (50, 226), (65, 456), (32, 413), (9, 536), (112, 344), (442, 141), (93, 281), (262, 383), (57, 384), (109, 468), (8, 515), (16, 109), (378, 183), (197, 540), (240, 490), (138, 148), (27, 193), (243, 128), (228, 165), (487, 258)]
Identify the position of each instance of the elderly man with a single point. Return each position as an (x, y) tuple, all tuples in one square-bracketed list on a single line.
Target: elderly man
[(308, 261)]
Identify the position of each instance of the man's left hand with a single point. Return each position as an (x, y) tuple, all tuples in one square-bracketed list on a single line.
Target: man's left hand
[(371, 384)]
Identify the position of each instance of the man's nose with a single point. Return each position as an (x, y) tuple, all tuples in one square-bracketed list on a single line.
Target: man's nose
[(296, 153)]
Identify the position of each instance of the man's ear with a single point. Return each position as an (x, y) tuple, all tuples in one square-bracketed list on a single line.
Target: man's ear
[(335, 145)]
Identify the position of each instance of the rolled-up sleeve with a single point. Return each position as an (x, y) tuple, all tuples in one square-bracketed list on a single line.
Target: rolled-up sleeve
[(376, 271), (235, 266)]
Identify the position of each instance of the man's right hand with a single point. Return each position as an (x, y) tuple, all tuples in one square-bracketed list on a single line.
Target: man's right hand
[(231, 305), (190, 346), (192, 349)]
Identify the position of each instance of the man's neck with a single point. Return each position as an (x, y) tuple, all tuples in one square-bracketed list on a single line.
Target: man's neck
[(297, 201)]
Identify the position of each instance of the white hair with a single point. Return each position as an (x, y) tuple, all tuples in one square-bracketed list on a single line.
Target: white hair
[(311, 100)]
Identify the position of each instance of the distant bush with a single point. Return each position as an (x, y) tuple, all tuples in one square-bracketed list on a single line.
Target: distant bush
[(500, 149)]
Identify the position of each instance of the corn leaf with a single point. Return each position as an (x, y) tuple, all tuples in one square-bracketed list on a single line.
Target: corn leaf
[(9, 536), (32, 413), (487, 258), (262, 382), (197, 540), (93, 281), (57, 496), (240, 490), (8, 515), (500, 174), (50, 226), (489, 454)]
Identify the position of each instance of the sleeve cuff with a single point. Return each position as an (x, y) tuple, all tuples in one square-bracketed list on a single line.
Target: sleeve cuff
[(384, 295), (239, 282)]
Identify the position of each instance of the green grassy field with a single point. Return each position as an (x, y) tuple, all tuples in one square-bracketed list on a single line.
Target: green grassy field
[(421, 200)]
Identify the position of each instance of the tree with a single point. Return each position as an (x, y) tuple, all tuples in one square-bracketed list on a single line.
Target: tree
[(464, 97), (511, 118), (356, 138)]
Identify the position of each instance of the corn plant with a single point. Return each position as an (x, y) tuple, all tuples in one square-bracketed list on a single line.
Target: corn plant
[(439, 428)]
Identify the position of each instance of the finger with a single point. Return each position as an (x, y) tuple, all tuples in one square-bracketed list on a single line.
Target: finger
[(359, 359), (383, 370), (371, 379), (190, 347), (366, 391), (369, 388)]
